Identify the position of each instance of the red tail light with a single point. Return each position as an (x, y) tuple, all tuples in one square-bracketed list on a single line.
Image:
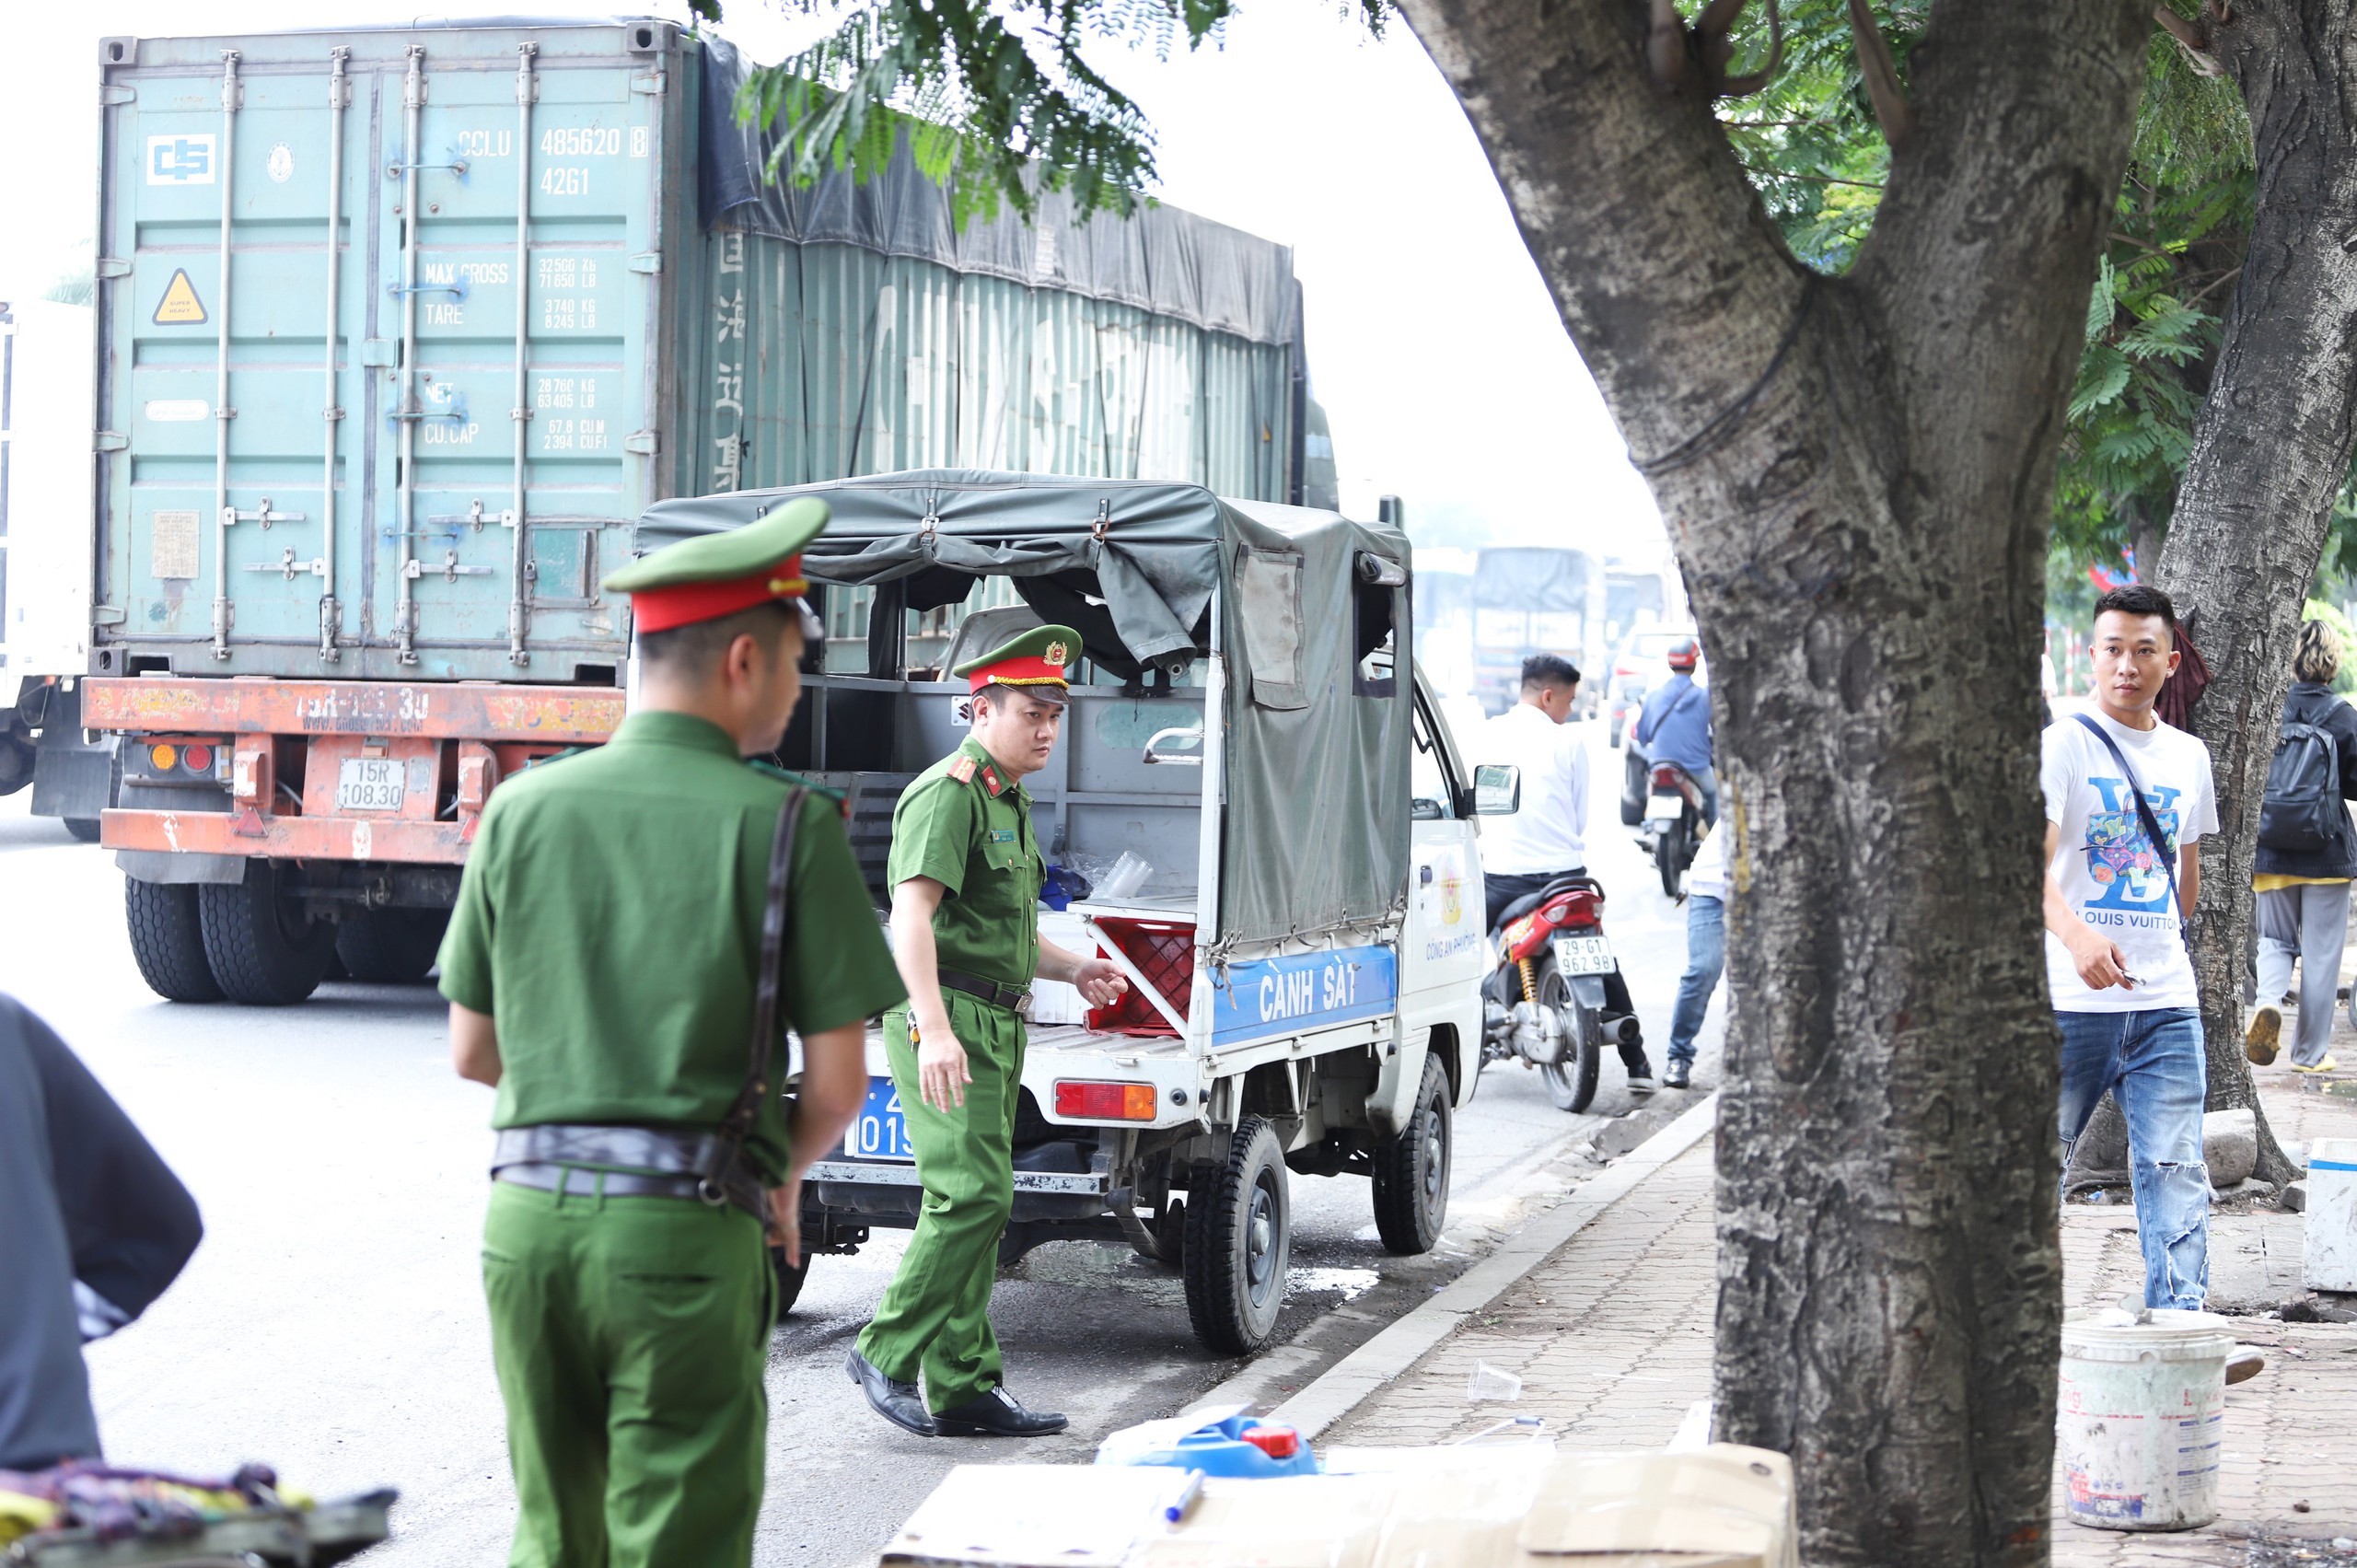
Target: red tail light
[(198, 759), (1665, 777), (1105, 1102)]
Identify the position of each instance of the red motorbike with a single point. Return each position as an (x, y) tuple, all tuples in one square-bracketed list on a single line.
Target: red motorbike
[(1556, 997)]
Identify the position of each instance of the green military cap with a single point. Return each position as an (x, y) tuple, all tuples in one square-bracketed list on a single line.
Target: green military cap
[(717, 574), (1035, 658)]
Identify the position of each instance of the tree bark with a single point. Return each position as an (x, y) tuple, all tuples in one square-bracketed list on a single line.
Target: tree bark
[(1857, 474), (2270, 451)]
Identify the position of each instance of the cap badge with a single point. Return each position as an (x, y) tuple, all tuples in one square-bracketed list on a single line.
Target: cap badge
[(1055, 655)]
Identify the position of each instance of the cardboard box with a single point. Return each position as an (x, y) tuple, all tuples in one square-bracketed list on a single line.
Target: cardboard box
[(1722, 1506)]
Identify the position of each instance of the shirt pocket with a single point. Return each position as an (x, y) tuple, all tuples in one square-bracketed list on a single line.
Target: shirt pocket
[(1003, 848)]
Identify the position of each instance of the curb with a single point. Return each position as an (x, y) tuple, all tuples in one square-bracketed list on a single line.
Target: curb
[(1344, 1386)]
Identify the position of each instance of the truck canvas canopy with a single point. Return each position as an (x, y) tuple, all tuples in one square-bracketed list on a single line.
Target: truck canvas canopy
[(1311, 609)]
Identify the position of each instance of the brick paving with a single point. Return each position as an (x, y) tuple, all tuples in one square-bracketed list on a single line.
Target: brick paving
[(1611, 1337)]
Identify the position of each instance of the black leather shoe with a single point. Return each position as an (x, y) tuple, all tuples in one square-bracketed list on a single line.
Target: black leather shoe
[(1677, 1076), (888, 1397), (996, 1414)]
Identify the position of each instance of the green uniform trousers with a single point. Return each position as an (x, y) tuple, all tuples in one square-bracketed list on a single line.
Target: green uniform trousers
[(630, 1336), (935, 1315)]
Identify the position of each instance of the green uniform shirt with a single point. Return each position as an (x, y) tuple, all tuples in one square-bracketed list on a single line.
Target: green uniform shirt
[(609, 921), (968, 826)]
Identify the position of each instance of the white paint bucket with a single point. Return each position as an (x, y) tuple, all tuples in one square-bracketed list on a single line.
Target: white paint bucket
[(2331, 1262), (2144, 1409)]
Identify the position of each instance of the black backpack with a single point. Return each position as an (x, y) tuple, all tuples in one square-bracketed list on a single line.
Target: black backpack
[(2302, 812)]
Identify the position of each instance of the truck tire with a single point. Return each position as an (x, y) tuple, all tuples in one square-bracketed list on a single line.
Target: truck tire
[(789, 1279), (16, 754), (264, 951), (1240, 1240), (1411, 1170), (390, 947), (167, 941)]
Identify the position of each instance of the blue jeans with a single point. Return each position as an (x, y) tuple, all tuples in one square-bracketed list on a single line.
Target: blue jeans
[(2152, 1065), (1706, 959)]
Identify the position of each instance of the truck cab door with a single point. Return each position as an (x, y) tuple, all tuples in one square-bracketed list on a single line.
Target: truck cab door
[(1445, 946)]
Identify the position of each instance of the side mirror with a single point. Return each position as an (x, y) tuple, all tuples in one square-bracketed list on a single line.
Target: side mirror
[(1497, 790)]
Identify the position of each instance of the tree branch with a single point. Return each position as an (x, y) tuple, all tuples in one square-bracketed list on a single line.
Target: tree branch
[(1881, 73), (2192, 38)]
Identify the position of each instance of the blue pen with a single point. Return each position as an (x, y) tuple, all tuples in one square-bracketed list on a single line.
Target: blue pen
[(1176, 1509)]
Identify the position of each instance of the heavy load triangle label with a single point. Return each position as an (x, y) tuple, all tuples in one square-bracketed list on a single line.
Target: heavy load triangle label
[(180, 306)]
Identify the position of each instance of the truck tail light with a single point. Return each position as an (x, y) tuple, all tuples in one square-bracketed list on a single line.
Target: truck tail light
[(163, 758), (199, 759), (1105, 1102)]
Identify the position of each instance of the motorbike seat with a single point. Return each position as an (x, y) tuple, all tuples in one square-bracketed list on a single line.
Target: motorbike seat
[(1529, 902)]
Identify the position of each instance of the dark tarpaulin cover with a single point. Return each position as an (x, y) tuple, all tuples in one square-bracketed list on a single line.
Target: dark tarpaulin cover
[(1160, 260), (1316, 833)]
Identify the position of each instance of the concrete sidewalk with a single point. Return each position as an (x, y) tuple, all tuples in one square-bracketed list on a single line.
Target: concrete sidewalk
[(1611, 1336)]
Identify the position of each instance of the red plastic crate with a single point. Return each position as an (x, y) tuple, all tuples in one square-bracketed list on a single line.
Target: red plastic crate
[(1164, 951)]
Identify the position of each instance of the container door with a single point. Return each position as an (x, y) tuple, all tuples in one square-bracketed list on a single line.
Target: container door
[(519, 246), (230, 365)]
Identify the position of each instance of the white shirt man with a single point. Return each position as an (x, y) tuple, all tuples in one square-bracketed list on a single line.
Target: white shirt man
[(1523, 850)]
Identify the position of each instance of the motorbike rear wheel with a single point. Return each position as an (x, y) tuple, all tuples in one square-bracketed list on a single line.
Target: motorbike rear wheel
[(1571, 1083), (1674, 851)]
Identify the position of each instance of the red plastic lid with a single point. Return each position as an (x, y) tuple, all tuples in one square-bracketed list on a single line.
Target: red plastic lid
[(1277, 1442)]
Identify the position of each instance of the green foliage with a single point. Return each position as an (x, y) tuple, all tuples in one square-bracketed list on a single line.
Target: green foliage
[(995, 100)]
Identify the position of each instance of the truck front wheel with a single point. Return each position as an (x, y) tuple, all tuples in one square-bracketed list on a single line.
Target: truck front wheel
[(1411, 1170), (167, 941), (1239, 1241), (389, 946), (264, 951)]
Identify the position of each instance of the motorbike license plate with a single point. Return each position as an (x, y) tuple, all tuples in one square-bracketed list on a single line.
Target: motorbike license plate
[(880, 1132), (370, 784), (1584, 955), (1669, 806)]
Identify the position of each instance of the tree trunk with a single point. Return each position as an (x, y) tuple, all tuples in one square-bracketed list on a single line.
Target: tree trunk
[(2270, 451), (1857, 474)]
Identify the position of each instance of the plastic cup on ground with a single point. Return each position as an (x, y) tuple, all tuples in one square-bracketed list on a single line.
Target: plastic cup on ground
[(1489, 1382)]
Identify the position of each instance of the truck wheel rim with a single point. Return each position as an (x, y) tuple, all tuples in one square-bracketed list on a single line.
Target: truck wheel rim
[(1435, 1163), (1260, 1243)]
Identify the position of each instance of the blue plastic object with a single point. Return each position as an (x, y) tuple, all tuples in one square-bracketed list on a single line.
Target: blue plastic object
[(1216, 1448)]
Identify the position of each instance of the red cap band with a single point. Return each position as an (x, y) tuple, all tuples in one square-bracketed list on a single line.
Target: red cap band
[(660, 610), (1030, 669)]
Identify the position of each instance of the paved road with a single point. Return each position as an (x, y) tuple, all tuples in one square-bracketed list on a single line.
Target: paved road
[(333, 1322)]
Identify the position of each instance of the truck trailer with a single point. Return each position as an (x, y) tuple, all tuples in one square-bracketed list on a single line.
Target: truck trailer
[(400, 333)]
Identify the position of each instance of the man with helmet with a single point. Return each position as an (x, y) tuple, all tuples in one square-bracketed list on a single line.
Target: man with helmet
[(1676, 725)]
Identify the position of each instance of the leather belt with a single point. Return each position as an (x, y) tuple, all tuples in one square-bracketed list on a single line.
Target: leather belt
[(1007, 996), (622, 1162)]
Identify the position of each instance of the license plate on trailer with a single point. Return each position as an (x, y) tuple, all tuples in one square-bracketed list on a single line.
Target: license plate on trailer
[(370, 784), (881, 1132), (1584, 955), (1668, 805)]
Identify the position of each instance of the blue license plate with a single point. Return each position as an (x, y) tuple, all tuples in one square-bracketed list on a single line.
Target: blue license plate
[(881, 1132)]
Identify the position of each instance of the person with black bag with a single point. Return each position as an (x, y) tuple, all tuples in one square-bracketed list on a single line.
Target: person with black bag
[(637, 926), (2126, 799), (2307, 856)]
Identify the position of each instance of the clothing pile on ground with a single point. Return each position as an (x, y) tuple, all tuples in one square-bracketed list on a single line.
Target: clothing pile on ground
[(87, 1513)]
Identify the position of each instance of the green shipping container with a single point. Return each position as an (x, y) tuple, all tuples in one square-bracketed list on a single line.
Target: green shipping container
[(400, 331)]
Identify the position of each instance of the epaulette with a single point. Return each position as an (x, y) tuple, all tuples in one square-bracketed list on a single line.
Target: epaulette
[(786, 776)]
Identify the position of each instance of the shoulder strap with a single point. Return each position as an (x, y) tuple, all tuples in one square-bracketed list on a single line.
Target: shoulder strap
[(728, 1146), (2143, 811)]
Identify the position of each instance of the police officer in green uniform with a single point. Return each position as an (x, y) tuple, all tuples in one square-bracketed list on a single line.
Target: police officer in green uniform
[(601, 968), (964, 872)]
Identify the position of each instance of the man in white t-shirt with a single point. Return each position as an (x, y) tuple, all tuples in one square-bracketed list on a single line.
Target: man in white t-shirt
[(1527, 849), (1546, 837), (2118, 882)]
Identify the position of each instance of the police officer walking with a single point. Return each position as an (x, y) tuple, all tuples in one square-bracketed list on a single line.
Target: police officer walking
[(635, 927), (964, 872)]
